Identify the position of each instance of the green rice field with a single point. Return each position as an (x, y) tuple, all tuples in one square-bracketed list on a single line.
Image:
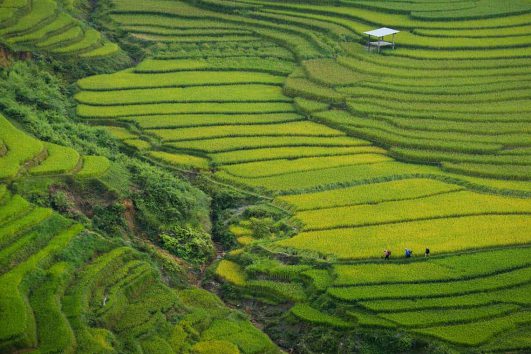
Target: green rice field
[(44, 25), (318, 155)]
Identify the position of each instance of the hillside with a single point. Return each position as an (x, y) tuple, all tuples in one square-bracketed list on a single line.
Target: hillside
[(150, 150)]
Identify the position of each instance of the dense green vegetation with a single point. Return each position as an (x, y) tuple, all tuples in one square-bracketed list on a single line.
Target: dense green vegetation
[(258, 149)]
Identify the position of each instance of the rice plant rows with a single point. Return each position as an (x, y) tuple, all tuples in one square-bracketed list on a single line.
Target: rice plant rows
[(306, 115)]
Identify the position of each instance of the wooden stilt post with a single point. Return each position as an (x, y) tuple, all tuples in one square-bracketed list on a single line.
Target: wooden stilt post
[(393, 41)]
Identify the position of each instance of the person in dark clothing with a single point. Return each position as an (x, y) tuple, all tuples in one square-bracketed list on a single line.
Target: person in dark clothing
[(408, 252), (427, 253), (387, 254)]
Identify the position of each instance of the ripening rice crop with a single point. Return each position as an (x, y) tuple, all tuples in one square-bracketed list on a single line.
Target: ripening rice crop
[(94, 166), (247, 337), (452, 204), (137, 143), (231, 272), (303, 128), (91, 38), (436, 156), (251, 155), (254, 64), (60, 159), (369, 194), (199, 120), (308, 313), (118, 132), (41, 10), (20, 148), (126, 80), (215, 346), (9, 231), (437, 317), (435, 269), (457, 287), (491, 170), (309, 90), (441, 235), (70, 35), (329, 72), (282, 291), (326, 178), (286, 166), (228, 93), (516, 294), (63, 20), (243, 143), (88, 111), (180, 159), (107, 48), (477, 332), (12, 206)]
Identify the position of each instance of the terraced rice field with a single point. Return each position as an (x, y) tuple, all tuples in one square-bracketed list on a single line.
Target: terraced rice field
[(23, 154), (53, 273), (424, 146), (45, 25), (66, 289)]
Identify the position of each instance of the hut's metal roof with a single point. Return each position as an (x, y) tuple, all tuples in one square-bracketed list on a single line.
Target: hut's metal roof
[(380, 32)]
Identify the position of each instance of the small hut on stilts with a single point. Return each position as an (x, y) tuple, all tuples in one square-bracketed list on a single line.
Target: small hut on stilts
[(379, 34)]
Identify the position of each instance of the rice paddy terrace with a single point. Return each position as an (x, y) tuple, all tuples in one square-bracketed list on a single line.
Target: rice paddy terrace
[(46, 26), (424, 146), (427, 145), (66, 289)]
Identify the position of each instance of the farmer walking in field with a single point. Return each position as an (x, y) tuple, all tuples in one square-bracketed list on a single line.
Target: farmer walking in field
[(408, 253), (387, 254), (427, 253)]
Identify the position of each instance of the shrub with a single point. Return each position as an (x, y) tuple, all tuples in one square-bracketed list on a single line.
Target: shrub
[(188, 243), (162, 199)]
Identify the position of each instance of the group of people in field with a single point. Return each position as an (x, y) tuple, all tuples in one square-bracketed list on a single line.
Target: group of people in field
[(408, 253)]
